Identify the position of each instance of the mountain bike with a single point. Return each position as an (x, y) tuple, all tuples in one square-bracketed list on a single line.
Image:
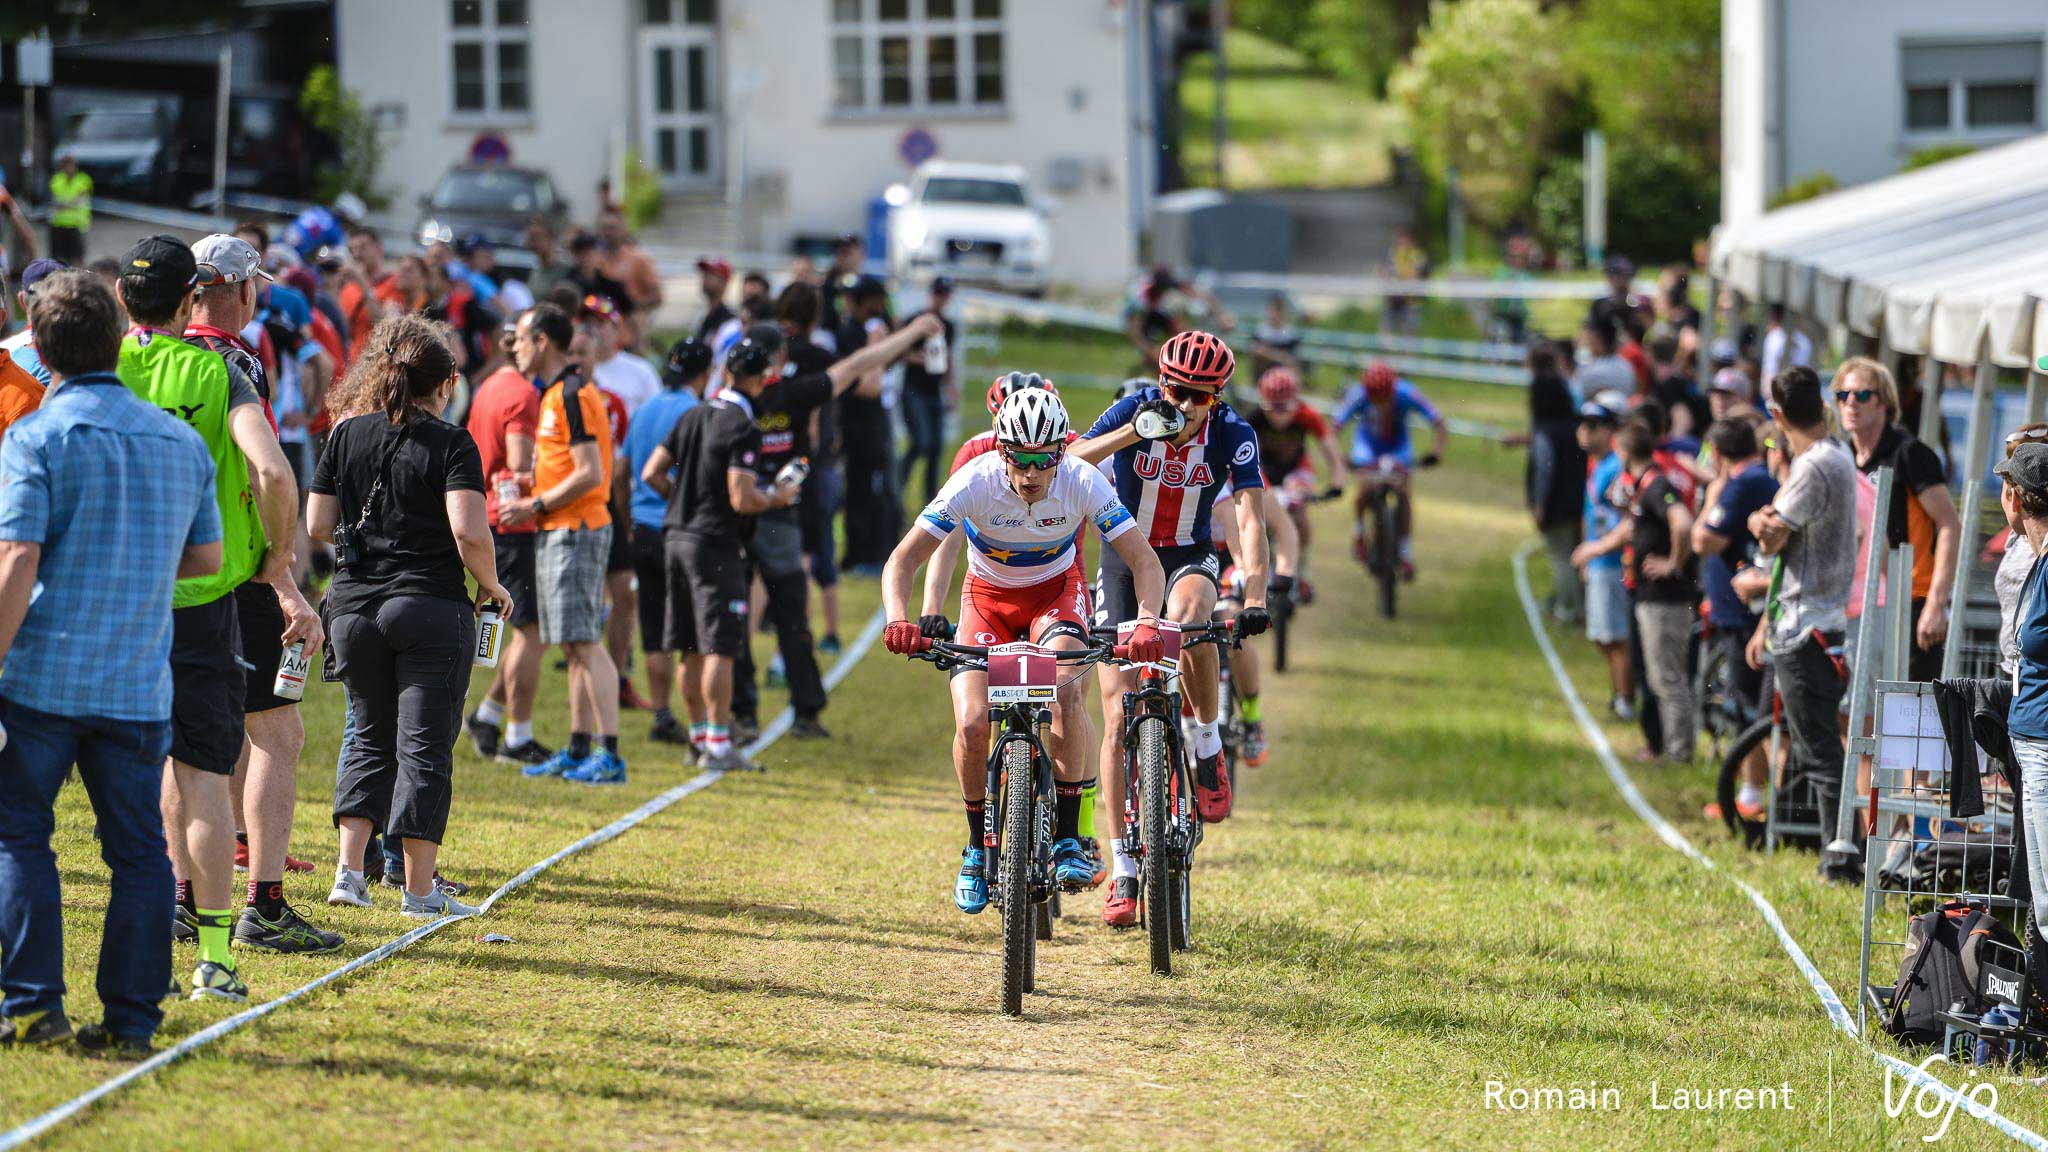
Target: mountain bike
[(1283, 611), (1023, 685), (1382, 552), (1720, 713), (1795, 804), (1161, 828)]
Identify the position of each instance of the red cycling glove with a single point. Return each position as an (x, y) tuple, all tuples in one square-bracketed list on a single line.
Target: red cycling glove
[(903, 638), (1144, 644)]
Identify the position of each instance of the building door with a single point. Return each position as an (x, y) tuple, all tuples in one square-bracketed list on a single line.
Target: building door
[(679, 112)]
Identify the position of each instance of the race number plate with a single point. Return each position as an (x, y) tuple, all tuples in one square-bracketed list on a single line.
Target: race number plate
[(1022, 674), (1169, 634)]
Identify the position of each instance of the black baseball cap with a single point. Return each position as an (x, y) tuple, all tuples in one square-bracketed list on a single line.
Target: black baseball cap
[(2026, 467), (870, 288), (687, 360), (942, 284), (1619, 265), (162, 262)]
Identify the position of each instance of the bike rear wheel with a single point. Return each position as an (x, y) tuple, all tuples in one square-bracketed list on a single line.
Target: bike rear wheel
[(1280, 640), (1157, 864), (1014, 867), (1756, 736), (1386, 548)]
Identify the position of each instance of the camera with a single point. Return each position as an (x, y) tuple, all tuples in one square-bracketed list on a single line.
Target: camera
[(348, 551)]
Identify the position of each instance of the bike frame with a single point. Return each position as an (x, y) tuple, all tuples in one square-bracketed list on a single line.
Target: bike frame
[(1009, 724)]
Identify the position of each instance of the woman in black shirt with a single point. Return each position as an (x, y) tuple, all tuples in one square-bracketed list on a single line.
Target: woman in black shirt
[(400, 493)]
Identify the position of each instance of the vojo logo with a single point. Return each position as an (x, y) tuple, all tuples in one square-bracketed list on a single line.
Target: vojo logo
[(1174, 473)]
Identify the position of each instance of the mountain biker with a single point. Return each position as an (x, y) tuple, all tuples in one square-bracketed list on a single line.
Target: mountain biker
[(1287, 429), (938, 581), (1172, 450), (1281, 589), (1382, 404), (1022, 508)]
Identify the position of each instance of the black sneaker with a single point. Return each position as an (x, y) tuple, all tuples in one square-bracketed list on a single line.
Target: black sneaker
[(522, 755), (289, 933), (35, 1029), (669, 731), (96, 1040), (484, 736), (745, 730), (809, 728), (184, 925)]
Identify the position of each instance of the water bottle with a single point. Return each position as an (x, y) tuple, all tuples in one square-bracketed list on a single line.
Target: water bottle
[(1990, 1049), (795, 472), (490, 632), (935, 354), (291, 672)]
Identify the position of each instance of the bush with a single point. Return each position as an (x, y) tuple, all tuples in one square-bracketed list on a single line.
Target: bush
[(1805, 188), (1929, 157), (338, 112), (1660, 198), (1560, 204), (642, 201)]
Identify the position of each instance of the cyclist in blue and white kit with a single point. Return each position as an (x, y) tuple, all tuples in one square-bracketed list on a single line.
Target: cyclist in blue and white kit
[(1381, 452), (1171, 451)]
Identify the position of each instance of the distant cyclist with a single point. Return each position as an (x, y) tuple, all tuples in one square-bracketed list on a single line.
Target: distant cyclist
[(1382, 404), (1287, 430), (1021, 508), (1173, 449)]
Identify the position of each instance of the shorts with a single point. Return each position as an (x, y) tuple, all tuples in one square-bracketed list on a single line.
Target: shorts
[(1117, 602), (707, 595), (261, 619), (822, 494), (1294, 489), (650, 568), (1607, 608), (207, 686), (1366, 456), (619, 557), (299, 454), (569, 567), (992, 614), (516, 573)]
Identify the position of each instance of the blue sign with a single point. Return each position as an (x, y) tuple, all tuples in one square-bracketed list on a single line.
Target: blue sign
[(917, 146), (489, 148)]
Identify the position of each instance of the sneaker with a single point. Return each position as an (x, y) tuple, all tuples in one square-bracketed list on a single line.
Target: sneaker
[(289, 933), (1358, 551), (970, 890), (554, 765), (351, 891), (829, 645), (730, 760), (294, 864), (95, 1040), (241, 854), (524, 755), (1254, 744), (40, 1029), (1071, 867), (395, 878), (601, 768), (775, 677), (1095, 861), (1304, 592), (184, 925), (1711, 810), (631, 699), (1121, 909), (745, 730), (1212, 789), (1622, 709), (435, 905), (669, 731), (1406, 568), (809, 728), (211, 981), (485, 736)]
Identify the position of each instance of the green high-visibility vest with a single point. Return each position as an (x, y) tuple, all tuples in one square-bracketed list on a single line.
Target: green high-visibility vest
[(192, 384), (76, 185)]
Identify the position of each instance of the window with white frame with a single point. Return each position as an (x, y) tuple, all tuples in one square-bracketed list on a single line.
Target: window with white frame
[(1975, 88), (490, 58), (917, 55)]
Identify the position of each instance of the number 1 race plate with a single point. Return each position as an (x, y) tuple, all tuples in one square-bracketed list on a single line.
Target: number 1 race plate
[(1022, 674)]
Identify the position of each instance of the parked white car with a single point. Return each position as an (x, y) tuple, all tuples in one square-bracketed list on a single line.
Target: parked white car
[(976, 223)]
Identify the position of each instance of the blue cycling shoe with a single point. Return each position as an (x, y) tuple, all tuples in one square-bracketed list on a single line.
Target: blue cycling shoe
[(602, 767), (554, 765), (970, 891), (1071, 867)]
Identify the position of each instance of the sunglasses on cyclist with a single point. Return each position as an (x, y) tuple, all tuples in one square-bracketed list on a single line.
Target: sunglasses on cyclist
[(1181, 392), (1860, 395), (1041, 460)]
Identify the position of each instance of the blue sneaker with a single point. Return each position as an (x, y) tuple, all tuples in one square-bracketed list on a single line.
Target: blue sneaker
[(554, 765), (970, 891), (601, 768), (1071, 866)]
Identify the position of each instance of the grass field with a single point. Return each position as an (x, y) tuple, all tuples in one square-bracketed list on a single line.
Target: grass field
[(1430, 886), (1289, 126)]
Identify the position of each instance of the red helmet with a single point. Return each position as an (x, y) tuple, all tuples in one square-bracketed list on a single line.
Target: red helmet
[(1279, 386), (1379, 381), (1010, 382), (1197, 359)]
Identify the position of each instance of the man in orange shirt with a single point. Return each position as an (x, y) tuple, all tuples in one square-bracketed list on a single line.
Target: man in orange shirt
[(572, 488), (20, 392), (366, 254)]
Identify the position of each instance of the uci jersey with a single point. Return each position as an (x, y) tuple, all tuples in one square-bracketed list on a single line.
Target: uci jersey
[(1171, 490), (1383, 433), (1018, 545)]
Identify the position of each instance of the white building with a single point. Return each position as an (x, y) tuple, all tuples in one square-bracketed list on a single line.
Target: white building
[(780, 119), (1853, 88)]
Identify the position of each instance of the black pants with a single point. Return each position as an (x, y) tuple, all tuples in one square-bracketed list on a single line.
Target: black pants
[(874, 512), (68, 245), (777, 554), (1812, 691), (406, 663), (924, 416)]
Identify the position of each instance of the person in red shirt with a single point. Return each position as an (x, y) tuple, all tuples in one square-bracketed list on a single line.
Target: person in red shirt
[(503, 416), (365, 266)]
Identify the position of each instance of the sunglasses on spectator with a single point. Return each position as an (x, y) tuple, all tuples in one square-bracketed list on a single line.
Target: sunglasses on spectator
[(1184, 393), (1860, 395), (1039, 460), (2024, 436)]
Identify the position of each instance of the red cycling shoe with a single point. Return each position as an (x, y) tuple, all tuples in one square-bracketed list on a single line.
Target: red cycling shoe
[(1212, 803), (291, 863), (1121, 909)]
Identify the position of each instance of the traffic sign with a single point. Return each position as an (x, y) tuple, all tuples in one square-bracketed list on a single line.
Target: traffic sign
[(917, 146), (32, 61)]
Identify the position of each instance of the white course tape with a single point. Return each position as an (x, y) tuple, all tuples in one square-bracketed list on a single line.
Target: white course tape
[(1838, 1014), (769, 735)]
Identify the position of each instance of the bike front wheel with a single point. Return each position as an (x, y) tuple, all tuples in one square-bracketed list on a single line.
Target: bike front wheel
[(1014, 872), (1158, 863)]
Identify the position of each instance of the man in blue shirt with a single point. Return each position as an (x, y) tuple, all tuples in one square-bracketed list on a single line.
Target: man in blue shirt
[(1741, 485), (682, 384), (105, 501), (1599, 558)]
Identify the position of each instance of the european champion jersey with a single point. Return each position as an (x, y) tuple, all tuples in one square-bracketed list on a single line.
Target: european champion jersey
[(1172, 490), (1014, 544), (1382, 433)]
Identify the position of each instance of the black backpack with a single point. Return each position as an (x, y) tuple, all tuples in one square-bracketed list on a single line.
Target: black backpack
[(1941, 969)]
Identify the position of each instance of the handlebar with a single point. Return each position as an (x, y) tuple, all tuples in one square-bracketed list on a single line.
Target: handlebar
[(974, 657)]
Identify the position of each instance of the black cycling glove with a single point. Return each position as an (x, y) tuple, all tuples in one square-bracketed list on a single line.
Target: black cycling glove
[(935, 627), (1431, 460), (1253, 621)]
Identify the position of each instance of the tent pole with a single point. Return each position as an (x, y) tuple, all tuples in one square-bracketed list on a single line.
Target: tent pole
[(1976, 446), (2037, 394), (1703, 364), (1867, 669), (1930, 401)]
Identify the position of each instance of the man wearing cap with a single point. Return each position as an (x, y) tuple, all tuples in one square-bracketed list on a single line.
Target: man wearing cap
[(1620, 301), (269, 618), (839, 279), (208, 686), (1741, 485), (873, 508), (21, 386), (1730, 390), (683, 378), (713, 274), (21, 347), (1599, 558), (930, 389), (504, 416), (629, 377)]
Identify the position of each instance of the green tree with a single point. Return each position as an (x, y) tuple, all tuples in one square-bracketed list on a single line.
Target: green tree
[(1480, 91), (339, 112), (1653, 68)]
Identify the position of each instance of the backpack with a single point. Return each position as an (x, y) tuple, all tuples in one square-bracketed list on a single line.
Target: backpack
[(1940, 970)]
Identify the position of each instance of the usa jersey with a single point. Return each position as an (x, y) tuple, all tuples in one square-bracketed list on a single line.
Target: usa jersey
[(1383, 433), (1016, 545), (1172, 490)]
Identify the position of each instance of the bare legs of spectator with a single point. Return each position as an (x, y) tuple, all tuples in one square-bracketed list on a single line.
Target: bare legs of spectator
[(271, 792), (1618, 670), (715, 678), (691, 682), (828, 604), (517, 683), (618, 630), (199, 825), (594, 690)]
